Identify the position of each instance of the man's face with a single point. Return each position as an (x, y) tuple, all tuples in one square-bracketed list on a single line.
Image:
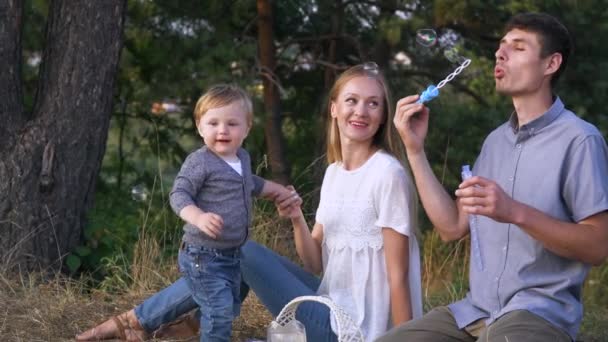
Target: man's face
[(519, 69)]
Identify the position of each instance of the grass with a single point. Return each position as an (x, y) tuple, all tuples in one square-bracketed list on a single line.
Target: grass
[(56, 310), (34, 308)]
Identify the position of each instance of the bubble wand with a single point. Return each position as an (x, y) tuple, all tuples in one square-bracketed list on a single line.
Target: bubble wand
[(432, 91)]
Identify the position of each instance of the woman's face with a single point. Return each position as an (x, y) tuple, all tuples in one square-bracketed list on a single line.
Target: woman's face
[(359, 110)]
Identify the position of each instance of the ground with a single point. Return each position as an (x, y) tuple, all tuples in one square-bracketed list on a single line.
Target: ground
[(57, 313)]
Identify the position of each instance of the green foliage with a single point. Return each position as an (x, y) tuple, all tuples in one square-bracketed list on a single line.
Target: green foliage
[(117, 223), (113, 226), (174, 50)]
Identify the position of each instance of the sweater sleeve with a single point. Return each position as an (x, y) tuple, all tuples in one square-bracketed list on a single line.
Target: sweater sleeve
[(258, 185), (188, 182)]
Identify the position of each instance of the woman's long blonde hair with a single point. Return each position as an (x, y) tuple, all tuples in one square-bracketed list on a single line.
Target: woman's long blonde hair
[(386, 138)]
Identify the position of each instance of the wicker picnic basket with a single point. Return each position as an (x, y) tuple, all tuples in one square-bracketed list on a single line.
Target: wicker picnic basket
[(345, 327)]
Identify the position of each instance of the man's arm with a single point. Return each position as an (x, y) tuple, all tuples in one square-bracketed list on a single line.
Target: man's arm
[(411, 121), (445, 214), (585, 241)]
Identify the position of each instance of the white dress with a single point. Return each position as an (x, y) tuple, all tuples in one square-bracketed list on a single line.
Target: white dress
[(353, 208)]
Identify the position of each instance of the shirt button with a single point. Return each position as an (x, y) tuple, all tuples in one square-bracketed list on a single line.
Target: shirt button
[(511, 179), (504, 248), (518, 145), (496, 279)]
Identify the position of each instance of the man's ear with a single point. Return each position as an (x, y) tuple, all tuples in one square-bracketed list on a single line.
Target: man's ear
[(553, 63)]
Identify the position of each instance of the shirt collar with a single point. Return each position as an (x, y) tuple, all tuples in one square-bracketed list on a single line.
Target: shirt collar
[(537, 124)]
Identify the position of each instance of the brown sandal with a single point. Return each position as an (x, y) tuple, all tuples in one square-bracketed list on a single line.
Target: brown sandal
[(184, 327), (120, 327), (123, 329)]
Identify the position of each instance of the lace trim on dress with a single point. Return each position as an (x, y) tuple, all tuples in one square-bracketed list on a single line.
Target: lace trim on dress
[(333, 244)]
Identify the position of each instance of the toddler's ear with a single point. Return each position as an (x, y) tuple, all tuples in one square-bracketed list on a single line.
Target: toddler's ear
[(199, 129)]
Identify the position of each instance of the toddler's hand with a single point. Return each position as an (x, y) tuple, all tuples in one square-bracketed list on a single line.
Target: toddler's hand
[(289, 203), (210, 224)]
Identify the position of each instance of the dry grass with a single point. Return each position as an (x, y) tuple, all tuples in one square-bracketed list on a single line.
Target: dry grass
[(32, 309), (57, 310), (36, 309)]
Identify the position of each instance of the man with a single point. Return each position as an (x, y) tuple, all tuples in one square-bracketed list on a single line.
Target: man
[(540, 198)]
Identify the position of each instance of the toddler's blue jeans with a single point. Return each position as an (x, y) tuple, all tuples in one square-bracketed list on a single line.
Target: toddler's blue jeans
[(214, 279)]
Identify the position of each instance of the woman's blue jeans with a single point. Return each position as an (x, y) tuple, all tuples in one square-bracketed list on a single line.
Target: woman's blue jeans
[(273, 278)]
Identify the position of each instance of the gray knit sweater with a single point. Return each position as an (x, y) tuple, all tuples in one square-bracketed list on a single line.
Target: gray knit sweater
[(208, 182)]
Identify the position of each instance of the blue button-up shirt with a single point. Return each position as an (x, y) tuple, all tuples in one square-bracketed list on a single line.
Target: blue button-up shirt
[(558, 164)]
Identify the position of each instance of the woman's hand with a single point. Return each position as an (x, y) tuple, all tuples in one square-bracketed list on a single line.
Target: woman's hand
[(289, 203)]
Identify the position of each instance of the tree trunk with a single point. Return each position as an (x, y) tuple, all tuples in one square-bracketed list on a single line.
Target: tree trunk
[(50, 158), (333, 50), (275, 141)]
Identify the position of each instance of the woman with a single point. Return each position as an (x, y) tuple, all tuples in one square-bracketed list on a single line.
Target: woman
[(363, 241)]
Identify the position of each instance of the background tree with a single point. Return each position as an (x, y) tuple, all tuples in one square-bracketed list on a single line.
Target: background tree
[(50, 156), (272, 101)]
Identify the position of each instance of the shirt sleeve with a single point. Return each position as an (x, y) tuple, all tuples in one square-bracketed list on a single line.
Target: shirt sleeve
[(586, 178), (188, 182), (258, 185), (394, 202)]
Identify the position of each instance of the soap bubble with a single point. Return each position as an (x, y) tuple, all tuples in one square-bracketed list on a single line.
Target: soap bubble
[(426, 37), (453, 56), (139, 193)]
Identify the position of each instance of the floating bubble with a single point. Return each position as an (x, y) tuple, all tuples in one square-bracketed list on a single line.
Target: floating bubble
[(426, 37), (139, 193), (371, 67), (453, 56)]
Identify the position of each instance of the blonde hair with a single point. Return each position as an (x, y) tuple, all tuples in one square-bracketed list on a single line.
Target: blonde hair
[(386, 138), (221, 95)]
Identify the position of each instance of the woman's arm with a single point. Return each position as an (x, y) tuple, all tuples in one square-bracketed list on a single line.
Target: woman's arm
[(396, 252), (308, 244)]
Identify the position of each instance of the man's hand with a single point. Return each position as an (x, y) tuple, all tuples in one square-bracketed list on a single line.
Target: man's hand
[(412, 123), (481, 196)]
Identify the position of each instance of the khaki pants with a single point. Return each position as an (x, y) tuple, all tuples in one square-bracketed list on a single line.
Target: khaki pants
[(439, 326)]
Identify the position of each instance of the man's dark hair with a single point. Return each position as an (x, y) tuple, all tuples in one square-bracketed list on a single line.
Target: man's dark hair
[(553, 36)]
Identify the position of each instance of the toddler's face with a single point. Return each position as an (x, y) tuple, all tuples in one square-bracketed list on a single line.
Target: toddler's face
[(224, 128)]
